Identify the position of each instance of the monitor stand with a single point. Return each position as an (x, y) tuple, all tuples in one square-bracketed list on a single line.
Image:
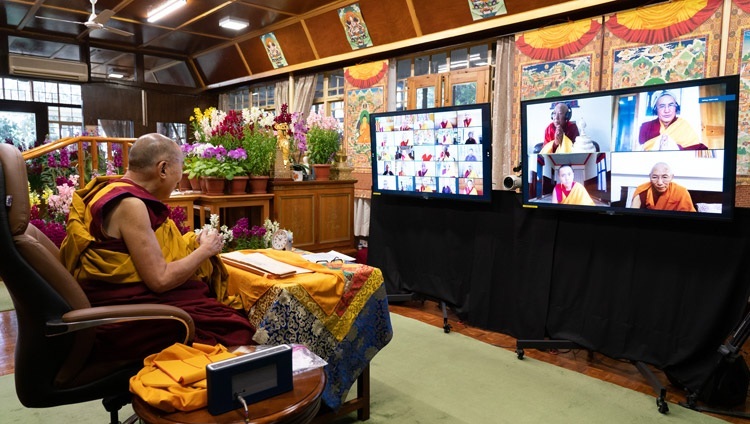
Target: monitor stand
[(661, 401)]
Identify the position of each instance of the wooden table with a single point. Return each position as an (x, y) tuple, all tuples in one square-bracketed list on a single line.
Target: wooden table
[(300, 405), (214, 204)]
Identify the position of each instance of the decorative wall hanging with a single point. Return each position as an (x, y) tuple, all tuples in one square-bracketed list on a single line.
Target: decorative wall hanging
[(481, 9), (365, 94), (274, 50), (354, 27)]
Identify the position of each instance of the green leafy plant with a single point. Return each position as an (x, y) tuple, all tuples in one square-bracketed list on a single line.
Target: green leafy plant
[(260, 145), (323, 138)]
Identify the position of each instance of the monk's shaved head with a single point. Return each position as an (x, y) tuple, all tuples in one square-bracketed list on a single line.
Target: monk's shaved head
[(150, 149)]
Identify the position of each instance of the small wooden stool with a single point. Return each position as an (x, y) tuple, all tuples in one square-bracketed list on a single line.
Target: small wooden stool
[(298, 406)]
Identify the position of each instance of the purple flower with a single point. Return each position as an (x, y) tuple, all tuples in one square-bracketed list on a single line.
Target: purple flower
[(237, 154)]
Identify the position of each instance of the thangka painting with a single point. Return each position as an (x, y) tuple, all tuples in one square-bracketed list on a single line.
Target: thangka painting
[(365, 94), (354, 27), (481, 9), (661, 43), (556, 78), (274, 50), (738, 62), (659, 63)]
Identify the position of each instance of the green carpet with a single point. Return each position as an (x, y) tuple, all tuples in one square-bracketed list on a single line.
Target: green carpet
[(6, 304), (427, 376)]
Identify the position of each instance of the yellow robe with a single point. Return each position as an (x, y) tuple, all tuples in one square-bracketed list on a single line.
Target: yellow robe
[(676, 198), (577, 196), (565, 147), (680, 131)]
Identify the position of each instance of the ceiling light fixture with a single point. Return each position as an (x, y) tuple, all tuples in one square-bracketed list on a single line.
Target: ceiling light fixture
[(233, 23), (115, 75), (165, 9)]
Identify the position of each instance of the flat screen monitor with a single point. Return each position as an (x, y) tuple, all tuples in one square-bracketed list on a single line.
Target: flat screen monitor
[(433, 153), (665, 149)]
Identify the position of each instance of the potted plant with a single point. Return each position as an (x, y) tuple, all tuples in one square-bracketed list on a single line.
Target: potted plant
[(323, 140), (260, 145)]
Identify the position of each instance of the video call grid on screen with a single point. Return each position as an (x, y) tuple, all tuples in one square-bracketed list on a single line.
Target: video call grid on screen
[(440, 152), (617, 146)]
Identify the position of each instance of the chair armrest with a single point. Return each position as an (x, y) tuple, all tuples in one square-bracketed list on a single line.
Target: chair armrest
[(80, 319)]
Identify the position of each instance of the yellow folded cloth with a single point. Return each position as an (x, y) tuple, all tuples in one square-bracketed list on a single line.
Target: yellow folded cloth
[(175, 378)]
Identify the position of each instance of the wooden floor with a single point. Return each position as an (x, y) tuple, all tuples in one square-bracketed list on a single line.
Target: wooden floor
[(598, 366)]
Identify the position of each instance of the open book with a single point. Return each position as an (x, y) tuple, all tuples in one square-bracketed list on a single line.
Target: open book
[(260, 264)]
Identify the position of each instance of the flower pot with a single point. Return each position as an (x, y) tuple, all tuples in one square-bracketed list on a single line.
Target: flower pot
[(184, 182), (258, 184), (298, 175), (195, 184), (322, 171), (237, 185), (214, 185)]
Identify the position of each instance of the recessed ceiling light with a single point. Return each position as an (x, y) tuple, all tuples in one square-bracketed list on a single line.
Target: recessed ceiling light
[(233, 23), (165, 9), (115, 75)]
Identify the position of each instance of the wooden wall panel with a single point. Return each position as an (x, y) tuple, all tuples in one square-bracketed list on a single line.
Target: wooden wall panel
[(384, 25), (294, 44), (162, 106), (439, 15), (328, 34), (256, 55), (213, 65)]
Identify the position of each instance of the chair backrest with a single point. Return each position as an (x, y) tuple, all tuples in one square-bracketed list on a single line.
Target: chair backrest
[(42, 290)]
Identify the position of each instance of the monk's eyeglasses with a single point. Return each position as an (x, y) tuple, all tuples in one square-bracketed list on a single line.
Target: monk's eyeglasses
[(667, 105), (665, 177)]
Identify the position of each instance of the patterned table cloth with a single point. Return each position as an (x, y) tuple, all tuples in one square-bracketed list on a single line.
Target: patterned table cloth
[(347, 339)]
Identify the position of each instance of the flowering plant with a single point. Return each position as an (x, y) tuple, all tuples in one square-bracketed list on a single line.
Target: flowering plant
[(226, 234), (49, 211), (255, 237), (323, 138), (259, 141), (231, 143)]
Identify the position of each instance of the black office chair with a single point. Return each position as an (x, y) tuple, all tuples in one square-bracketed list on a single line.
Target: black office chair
[(56, 323)]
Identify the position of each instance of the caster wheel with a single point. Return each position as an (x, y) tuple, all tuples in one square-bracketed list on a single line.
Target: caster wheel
[(519, 353), (447, 328)]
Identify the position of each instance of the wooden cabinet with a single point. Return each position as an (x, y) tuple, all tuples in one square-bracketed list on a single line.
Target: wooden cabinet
[(319, 213)]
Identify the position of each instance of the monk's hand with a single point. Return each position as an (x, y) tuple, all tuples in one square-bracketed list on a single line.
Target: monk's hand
[(558, 134), (211, 241)]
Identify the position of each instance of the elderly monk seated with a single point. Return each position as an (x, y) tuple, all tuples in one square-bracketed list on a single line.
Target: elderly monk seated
[(569, 192), (122, 247), (661, 192)]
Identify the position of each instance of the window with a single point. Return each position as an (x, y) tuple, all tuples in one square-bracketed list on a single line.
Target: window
[(329, 95), (65, 116), (263, 97), (177, 131), (239, 99)]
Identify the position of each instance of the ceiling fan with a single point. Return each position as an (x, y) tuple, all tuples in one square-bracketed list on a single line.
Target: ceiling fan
[(95, 21)]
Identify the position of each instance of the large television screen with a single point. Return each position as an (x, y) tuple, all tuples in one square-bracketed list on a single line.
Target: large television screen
[(666, 149), (433, 153)]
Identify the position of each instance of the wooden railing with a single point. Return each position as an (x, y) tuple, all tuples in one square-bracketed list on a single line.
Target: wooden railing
[(84, 144)]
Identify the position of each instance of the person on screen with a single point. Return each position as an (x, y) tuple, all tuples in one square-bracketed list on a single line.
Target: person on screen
[(568, 191), (469, 188), (470, 156), (401, 172), (469, 173), (661, 193), (445, 154), (387, 170), (448, 170), (470, 139), (447, 189), (422, 172), (668, 131), (561, 133), (425, 186)]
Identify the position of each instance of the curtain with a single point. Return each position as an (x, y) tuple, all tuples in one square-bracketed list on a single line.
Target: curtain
[(304, 92), (502, 111), (223, 101), (281, 94), (361, 217)]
